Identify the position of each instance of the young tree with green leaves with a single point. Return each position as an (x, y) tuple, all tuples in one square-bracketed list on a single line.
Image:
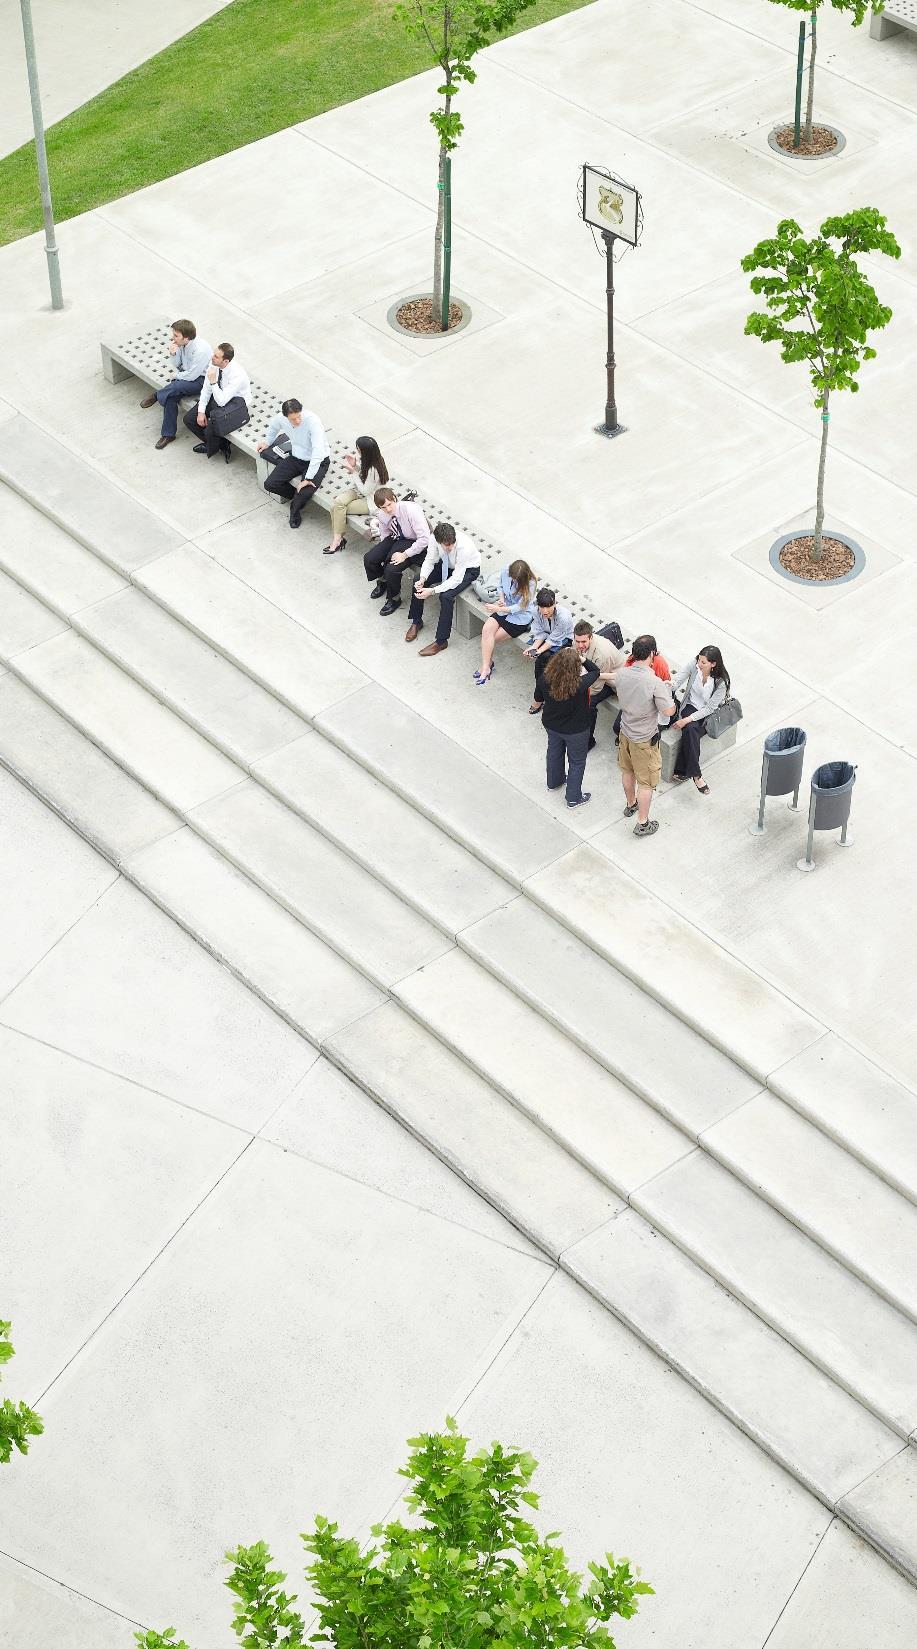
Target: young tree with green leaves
[(468, 1572), (453, 31), (820, 308), (857, 10), (17, 1421)]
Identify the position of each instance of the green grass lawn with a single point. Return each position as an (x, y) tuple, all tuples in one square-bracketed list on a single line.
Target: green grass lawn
[(269, 64)]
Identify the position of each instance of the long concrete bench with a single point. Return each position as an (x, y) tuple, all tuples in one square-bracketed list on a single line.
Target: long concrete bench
[(901, 14), (146, 356)]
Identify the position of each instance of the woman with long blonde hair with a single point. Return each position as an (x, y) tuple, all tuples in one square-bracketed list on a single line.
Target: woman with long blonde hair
[(510, 615)]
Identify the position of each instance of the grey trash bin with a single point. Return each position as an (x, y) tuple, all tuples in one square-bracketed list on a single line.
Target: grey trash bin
[(829, 805), (781, 769)]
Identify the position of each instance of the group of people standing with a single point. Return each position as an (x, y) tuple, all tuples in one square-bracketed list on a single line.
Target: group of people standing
[(575, 667)]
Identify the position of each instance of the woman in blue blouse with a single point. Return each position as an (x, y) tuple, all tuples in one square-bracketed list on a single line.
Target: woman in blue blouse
[(510, 616)]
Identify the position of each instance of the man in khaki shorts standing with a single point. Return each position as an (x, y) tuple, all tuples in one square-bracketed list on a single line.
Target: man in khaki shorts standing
[(643, 699)]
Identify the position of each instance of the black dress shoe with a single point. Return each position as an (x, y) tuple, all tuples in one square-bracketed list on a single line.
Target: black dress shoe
[(377, 591), (390, 606), (226, 450), (199, 446), (295, 521)]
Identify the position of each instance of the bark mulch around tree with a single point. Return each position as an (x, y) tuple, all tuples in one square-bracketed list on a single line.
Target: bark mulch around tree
[(837, 559), (823, 141), (417, 316)]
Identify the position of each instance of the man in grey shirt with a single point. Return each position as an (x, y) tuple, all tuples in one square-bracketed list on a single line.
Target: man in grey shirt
[(643, 698)]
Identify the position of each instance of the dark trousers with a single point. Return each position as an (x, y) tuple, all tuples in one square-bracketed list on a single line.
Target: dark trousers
[(567, 754), (234, 414), (687, 761), (169, 397), (283, 473), (378, 564), (595, 699), (446, 606)]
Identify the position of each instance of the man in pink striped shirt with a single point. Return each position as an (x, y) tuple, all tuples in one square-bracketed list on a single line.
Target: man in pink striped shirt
[(404, 534)]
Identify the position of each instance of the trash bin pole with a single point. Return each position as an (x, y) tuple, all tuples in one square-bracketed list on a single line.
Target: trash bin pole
[(808, 863)]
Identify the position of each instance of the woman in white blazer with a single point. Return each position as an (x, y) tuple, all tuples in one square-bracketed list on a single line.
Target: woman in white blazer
[(699, 688)]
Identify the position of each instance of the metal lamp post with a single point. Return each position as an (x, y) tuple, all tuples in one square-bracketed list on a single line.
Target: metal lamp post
[(612, 209), (44, 182)]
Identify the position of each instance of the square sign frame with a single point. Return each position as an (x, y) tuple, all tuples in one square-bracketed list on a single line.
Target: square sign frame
[(610, 205)]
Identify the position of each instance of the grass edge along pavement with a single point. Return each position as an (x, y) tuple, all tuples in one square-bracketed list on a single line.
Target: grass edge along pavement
[(270, 63)]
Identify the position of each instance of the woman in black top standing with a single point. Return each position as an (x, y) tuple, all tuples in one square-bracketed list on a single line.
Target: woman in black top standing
[(566, 719)]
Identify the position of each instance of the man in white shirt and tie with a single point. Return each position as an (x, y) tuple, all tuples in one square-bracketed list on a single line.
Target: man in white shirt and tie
[(224, 405), (298, 473), (460, 565), (190, 359)]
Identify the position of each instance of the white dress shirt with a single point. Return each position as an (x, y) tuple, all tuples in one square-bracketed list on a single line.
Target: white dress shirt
[(232, 380), (307, 439), (462, 557), (192, 359)]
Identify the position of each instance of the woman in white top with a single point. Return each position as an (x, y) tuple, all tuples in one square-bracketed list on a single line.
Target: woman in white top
[(699, 688), (367, 466)]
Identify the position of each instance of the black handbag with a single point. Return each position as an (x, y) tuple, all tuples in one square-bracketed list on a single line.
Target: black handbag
[(226, 418)]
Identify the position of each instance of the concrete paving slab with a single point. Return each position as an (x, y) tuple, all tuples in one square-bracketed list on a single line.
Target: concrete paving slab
[(811, 1300), (198, 683), (292, 1258), (50, 878), (172, 1017), (508, 1159), (402, 847), (302, 979), (858, 1105), (774, 1394), (80, 499), (317, 882), (24, 621), (255, 634), (665, 955), (658, 1056), (871, 1228), (575, 1100), (36, 1611), (702, 1494), (826, 1608), (886, 1506), (85, 787), (331, 1121), (47, 562), (174, 762), (100, 1174)]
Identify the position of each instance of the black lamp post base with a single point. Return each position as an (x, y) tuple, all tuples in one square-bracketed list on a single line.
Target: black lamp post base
[(608, 431)]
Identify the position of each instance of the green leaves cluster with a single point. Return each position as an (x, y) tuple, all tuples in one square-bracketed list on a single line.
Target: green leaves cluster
[(17, 1421), (858, 8), (469, 1571), (820, 307), (454, 30)]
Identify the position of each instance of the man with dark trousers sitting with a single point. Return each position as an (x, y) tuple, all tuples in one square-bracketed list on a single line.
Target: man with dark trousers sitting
[(459, 565), (296, 447), (224, 405), (190, 359)]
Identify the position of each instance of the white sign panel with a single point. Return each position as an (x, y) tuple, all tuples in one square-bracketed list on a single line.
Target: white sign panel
[(610, 205)]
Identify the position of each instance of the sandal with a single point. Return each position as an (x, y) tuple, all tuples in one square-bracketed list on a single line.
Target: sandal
[(702, 789), (679, 778), (535, 709), (481, 681), (329, 551)]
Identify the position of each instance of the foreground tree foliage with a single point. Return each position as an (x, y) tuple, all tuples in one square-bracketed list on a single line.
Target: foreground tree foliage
[(821, 308), (18, 1423), (469, 1571)]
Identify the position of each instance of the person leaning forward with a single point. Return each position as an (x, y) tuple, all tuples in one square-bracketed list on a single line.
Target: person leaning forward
[(298, 473), (404, 534), (459, 566), (190, 361), (224, 405), (643, 699)]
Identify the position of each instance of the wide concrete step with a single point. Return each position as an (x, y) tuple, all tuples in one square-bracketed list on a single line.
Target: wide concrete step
[(46, 561), (596, 1117), (273, 648), (24, 621), (398, 845), (85, 787), (86, 503), (319, 884), (801, 1418), (223, 703), (656, 1054), (811, 1299), (884, 1509), (152, 744), (836, 1199), (467, 799), (464, 1121)]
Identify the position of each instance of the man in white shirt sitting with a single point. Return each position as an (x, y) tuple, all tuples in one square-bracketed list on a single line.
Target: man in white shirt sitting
[(460, 565), (190, 359), (300, 459), (225, 403)]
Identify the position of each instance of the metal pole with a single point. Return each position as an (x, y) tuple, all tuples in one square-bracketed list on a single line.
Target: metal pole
[(808, 863), (800, 65), (44, 182), (611, 410), (758, 829), (447, 239)]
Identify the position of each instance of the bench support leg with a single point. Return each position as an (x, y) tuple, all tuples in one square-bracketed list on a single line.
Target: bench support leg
[(112, 369), (880, 26)]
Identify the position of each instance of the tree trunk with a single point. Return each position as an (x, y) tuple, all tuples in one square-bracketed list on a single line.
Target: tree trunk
[(438, 242), (820, 494), (810, 96)]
